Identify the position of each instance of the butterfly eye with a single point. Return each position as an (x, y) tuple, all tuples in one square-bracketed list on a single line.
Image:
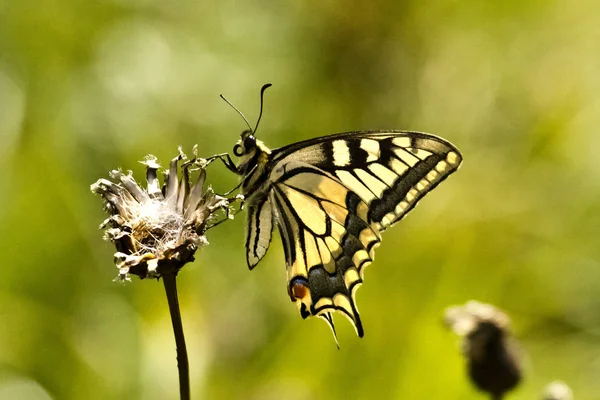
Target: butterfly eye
[(249, 142), (238, 150)]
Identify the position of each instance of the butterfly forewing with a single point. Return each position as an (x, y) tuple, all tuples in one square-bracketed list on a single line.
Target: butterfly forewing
[(331, 197)]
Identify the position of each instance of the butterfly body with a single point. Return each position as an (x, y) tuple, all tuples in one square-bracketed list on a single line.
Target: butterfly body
[(330, 198)]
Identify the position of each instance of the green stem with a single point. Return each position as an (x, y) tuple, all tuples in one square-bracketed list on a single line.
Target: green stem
[(169, 280)]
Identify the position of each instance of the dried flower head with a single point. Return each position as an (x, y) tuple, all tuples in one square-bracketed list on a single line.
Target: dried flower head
[(490, 349), (157, 231), (557, 390)]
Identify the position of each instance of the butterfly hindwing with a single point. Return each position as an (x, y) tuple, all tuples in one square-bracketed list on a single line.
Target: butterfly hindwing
[(259, 229), (331, 197), (330, 244)]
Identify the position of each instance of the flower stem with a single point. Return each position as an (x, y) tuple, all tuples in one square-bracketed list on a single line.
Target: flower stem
[(169, 280)]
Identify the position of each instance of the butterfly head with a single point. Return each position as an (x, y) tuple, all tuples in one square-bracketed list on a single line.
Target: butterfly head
[(246, 145), (252, 152)]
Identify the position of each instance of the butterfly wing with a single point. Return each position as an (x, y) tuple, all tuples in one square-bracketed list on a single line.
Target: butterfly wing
[(327, 241), (332, 196), (259, 228)]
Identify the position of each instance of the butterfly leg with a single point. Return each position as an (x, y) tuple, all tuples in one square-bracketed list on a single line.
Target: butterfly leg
[(229, 213), (226, 159)]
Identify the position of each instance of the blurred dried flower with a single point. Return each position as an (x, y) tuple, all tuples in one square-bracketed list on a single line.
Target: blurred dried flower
[(158, 231), (491, 351), (557, 390)]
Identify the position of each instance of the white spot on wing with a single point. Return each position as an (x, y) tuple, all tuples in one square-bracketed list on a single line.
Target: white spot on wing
[(401, 141), (351, 276), (388, 219), (400, 208), (372, 148), (422, 185), (442, 167), (453, 159), (367, 236), (432, 175), (359, 257), (412, 193), (341, 153)]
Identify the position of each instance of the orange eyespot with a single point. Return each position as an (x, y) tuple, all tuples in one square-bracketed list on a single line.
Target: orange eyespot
[(297, 290)]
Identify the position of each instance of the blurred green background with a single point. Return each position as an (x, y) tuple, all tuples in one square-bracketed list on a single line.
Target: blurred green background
[(88, 86)]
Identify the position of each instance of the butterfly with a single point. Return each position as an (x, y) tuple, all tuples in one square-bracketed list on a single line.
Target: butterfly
[(331, 198)]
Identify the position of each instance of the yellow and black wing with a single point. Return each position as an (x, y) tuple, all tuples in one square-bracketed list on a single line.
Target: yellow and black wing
[(331, 197)]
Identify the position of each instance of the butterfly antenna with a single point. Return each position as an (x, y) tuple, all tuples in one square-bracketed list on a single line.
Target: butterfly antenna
[(262, 96), (238, 111)]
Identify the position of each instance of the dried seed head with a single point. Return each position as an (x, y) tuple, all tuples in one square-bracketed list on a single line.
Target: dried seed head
[(158, 230), (488, 346), (557, 390)]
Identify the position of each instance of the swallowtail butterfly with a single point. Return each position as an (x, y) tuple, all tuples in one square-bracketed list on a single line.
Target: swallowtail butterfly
[(331, 198)]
